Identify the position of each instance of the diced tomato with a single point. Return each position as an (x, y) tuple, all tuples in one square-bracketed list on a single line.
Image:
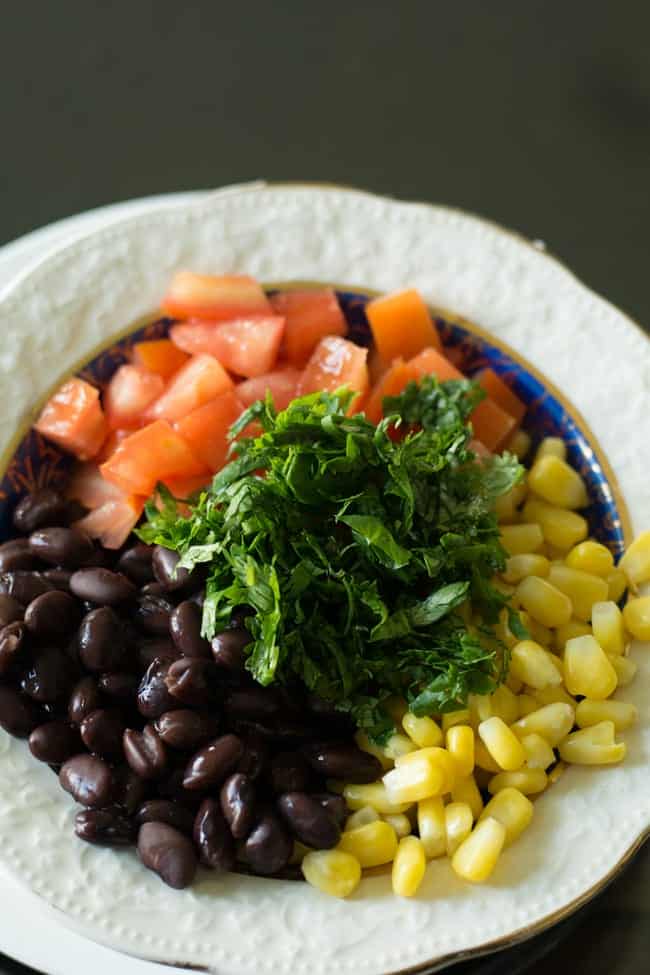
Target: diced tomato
[(376, 365), (110, 444), (88, 486), (196, 383), (394, 380), (113, 521), (131, 390), (217, 298), (152, 454), (431, 363), (401, 325), (205, 429), (479, 449), (183, 487), (501, 393), (336, 362), (492, 425), (309, 317), (160, 356), (73, 419), (247, 346), (281, 384)]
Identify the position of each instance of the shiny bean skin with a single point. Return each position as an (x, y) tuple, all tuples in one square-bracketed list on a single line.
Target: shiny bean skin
[(254, 703), (52, 614), (336, 806), (309, 821), (12, 644), (85, 697), (61, 546), (101, 640), (153, 589), (238, 804), (185, 629), (254, 757), (23, 586), (145, 752), (101, 586), (54, 742), (39, 510), (18, 715), (210, 766), (130, 790), (168, 853), (166, 811), (191, 681), (228, 649), (101, 732), (88, 779), (289, 772), (269, 846), (152, 614), (135, 563), (149, 650), (50, 676), (345, 762), (11, 611), (212, 837), (153, 697), (120, 685), (186, 729), (105, 827), (16, 554), (58, 578), (164, 563)]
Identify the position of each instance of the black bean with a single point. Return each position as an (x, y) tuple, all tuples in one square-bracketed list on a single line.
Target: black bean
[(23, 586), (149, 650), (153, 697), (130, 791), (309, 821), (101, 586), (18, 715), (145, 752), (105, 827), (58, 578), (327, 715), (61, 546), (164, 562), (54, 742), (185, 629), (135, 563), (12, 645), (268, 847), (166, 811), (345, 762), (153, 589), (283, 732), (52, 614), (152, 614), (49, 677), (186, 729), (228, 649), (238, 804), (121, 685), (213, 838), (88, 779), (336, 806), (289, 772), (254, 703), (85, 697), (16, 554), (254, 756), (101, 732), (198, 597), (171, 786), (38, 510), (11, 611), (168, 853), (192, 681), (102, 643), (210, 766), (239, 615)]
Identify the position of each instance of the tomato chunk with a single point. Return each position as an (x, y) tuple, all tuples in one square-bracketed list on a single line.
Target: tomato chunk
[(501, 394), (336, 362), (281, 384), (160, 356), (88, 486), (183, 487), (431, 363), (309, 317), (110, 444), (112, 522), (246, 346), (401, 325), (206, 429), (196, 383), (393, 382), (492, 425), (149, 455), (131, 390), (73, 418), (218, 298)]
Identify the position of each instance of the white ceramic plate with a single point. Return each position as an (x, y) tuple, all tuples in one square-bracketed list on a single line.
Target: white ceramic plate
[(591, 820)]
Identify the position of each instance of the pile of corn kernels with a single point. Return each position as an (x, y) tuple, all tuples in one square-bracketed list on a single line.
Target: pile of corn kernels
[(556, 707)]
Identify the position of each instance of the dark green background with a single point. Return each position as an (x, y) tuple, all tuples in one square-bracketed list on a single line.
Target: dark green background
[(534, 113)]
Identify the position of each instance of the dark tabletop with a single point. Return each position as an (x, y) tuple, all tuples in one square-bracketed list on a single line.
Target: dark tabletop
[(534, 113)]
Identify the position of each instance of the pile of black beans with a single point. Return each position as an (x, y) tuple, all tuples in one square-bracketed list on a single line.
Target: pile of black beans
[(162, 736)]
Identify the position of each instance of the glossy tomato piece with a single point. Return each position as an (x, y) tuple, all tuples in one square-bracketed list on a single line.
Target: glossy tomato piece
[(73, 418), (110, 444), (246, 346), (281, 384), (131, 390), (113, 521), (401, 325), (184, 487), (430, 362), (206, 429), (393, 382), (336, 362), (309, 317), (154, 453), (90, 487), (196, 383), (501, 394), (160, 356), (217, 298)]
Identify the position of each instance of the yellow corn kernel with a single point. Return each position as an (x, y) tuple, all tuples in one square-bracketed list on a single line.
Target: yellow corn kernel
[(636, 616), (521, 539), (504, 509), (512, 809), (539, 753), (551, 447), (372, 844), (539, 633), (401, 824), (544, 602), (364, 743), (431, 826), (441, 758), (503, 587), (526, 780), (483, 759), (504, 704), (625, 668), (502, 744), (519, 444), (553, 480), (480, 708), (451, 718), (375, 795), (519, 492), (409, 866), (636, 561), (398, 745), (362, 817), (526, 704), (531, 664), (568, 631), (396, 707), (587, 671), (458, 825), (551, 695), (513, 684), (553, 722), (607, 626), (527, 564), (415, 780), (477, 856), (621, 713), (334, 872), (594, 745), (460, 744), (423, 731), (556, 773), (617, 583), (591, 557), (582, 589), (466, 790), (561, 529)]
